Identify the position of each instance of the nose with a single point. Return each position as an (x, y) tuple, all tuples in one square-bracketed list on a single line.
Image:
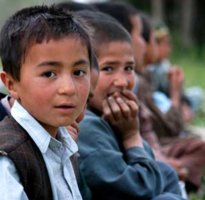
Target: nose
[(121, 80), (67, 86)]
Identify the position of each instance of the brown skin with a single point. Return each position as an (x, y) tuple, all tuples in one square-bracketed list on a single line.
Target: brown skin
[(113, 95), (176, 78), (151, 53), (138, 41), (121, 111), (74, 129), (164, 48), (58, 84)]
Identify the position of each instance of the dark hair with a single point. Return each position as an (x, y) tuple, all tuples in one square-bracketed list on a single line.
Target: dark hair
[(35, 25), (119, 10), (95, 64), (74, 6), (146, 27), (106, 29)]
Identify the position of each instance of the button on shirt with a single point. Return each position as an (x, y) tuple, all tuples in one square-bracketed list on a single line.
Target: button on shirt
[(56, 154)]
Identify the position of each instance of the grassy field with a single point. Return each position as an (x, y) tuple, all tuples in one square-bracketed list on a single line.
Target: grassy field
[(194, 70)]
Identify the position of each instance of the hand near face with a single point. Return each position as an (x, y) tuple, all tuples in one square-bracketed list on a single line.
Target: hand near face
[(176, 78), (121, 111), (73, 130)]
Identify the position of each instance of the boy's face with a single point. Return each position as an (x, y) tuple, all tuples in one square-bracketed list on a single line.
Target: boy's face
[(138, 41), (116, 61), (54, 82), (151, 54), (164, 48), (93, 83)]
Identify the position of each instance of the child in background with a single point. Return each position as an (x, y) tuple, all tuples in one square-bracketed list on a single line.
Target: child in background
[(178, 150), (162, 78), (47, 72), (116, 163)]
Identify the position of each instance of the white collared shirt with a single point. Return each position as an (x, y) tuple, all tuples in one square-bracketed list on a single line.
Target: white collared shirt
[(56, 154)]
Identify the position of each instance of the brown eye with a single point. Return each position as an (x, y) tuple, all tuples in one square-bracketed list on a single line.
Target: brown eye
[(79, 73), (108, 69), (129, 68), (49, 74)]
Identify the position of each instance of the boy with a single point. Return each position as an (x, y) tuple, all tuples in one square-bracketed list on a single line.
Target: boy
[(115, 161), (46, 56)]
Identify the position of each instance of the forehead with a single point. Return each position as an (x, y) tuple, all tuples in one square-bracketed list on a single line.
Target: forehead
[(115, 48), (57, 48), (136, 23), (165, 40)]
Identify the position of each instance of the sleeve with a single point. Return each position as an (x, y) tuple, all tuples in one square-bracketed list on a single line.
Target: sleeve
[(175, 120), (112, 174), (10, 186)]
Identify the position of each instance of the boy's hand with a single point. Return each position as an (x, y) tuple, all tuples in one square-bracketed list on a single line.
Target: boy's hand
[(176, 78), (73, 130), (121, 111)]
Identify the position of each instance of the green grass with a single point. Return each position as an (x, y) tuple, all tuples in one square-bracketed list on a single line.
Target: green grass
[(193, 67)]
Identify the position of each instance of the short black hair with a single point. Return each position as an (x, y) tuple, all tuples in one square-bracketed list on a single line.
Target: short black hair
[(75, 6), (35, 25), (122, 11), (95, 64), (146, 27), (106, 29)]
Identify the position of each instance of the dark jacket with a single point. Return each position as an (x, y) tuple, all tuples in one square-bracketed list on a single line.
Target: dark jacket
[(27, 158)]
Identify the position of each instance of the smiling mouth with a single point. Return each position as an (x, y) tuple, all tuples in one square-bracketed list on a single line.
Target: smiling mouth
[(112, 93)]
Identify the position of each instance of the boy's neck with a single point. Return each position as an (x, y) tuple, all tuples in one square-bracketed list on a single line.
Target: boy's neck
[(52, 132)]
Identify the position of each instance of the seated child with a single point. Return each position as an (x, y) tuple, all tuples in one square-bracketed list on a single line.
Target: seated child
[(46, 57), (116, 163)]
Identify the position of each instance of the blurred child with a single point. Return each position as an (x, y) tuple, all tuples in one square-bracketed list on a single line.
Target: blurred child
[(162, 73), (116, 163), (177, 151), (47, 71)]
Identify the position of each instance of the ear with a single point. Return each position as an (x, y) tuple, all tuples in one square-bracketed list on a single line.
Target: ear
[(10, 84)]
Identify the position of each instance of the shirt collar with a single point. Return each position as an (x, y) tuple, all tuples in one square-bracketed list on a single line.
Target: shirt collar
[(5, 103), (39, 135)]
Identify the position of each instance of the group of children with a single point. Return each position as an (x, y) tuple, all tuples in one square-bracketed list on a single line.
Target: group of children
[(72, 126)]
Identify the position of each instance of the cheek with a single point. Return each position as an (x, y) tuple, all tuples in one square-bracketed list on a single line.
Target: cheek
[(131, 80), (42, 98), (83, 91), (102, 85)]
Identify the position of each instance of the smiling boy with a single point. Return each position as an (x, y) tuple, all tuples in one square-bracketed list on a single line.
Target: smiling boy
[(46, 56)]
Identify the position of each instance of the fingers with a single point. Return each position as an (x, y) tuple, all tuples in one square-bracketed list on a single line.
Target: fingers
[(126, 94), (107, 113), (129, 95), (73, 132), (76, 127), (133, 108), (125, 109), (115, 109)]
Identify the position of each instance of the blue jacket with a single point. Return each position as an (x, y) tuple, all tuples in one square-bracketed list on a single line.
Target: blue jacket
[(111, 173), (116, 174)]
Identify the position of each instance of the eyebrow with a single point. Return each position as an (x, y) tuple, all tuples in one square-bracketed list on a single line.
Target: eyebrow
[(81, 62), (130, 63), (117, 62), (59, 64)]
